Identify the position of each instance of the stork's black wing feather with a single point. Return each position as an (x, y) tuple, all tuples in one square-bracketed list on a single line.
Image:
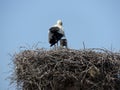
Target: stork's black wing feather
[(54, 29), (56, 36)]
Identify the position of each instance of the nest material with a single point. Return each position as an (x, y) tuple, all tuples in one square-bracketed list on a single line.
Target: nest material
[(67, 69)]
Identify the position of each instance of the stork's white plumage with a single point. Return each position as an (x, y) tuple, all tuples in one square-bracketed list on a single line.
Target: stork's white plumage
[(55, 33)]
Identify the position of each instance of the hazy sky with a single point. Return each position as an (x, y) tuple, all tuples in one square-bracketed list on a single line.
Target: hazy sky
[(26, 22)]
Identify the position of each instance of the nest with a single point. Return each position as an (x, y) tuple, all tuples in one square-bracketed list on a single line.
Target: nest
[(67, 69)]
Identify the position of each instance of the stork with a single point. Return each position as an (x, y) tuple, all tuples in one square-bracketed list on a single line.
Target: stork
[(55, 33)]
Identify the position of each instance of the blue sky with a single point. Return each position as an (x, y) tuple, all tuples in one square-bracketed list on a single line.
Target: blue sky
[(26, 22)]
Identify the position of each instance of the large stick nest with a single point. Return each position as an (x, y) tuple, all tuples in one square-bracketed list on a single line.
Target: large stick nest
[(67, 69)]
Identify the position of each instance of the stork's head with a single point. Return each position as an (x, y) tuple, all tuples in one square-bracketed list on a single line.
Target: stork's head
[(59, 22)]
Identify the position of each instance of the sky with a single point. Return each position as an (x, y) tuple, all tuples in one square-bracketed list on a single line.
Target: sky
[(24, 24)]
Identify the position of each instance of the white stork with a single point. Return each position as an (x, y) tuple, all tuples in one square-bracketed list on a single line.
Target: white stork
[(55, 33)]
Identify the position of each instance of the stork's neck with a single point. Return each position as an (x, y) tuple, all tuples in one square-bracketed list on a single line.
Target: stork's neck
[(58, 25)]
